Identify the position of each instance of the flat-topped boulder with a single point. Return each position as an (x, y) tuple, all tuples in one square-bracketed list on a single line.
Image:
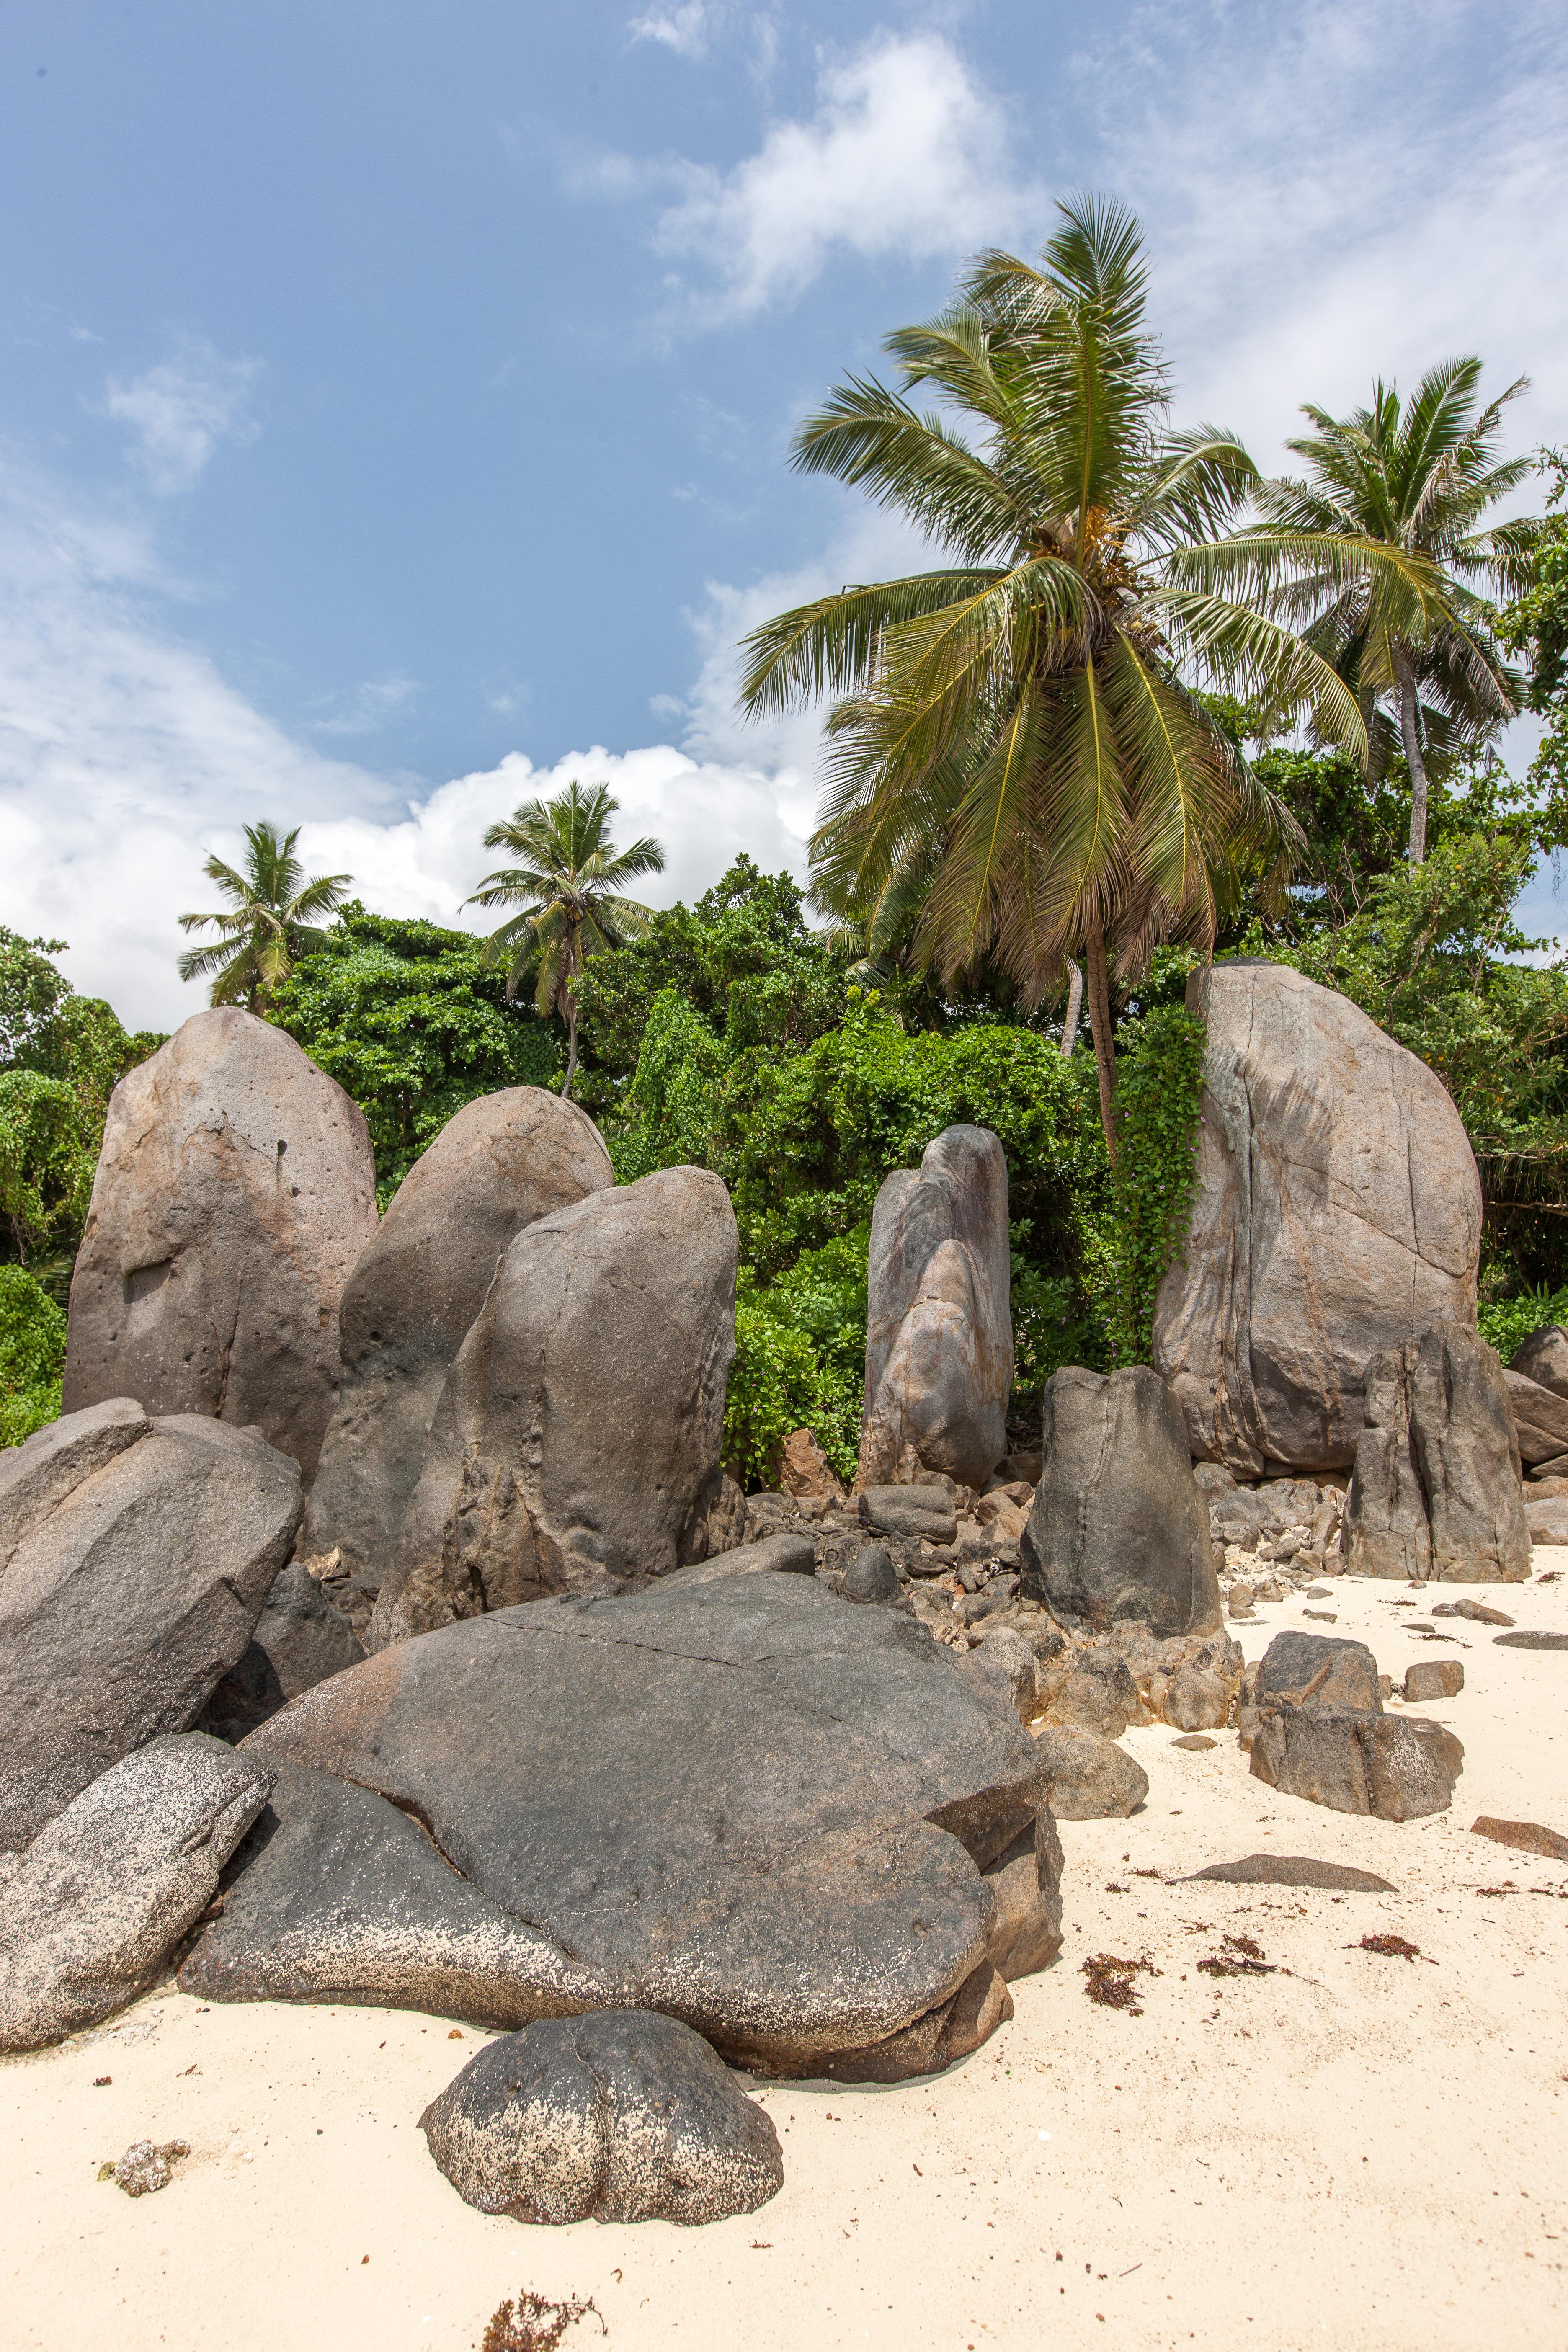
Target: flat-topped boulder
[(745, 1803), (499, 1163), (234, 1192), (135, 1557), (1338, 1212)]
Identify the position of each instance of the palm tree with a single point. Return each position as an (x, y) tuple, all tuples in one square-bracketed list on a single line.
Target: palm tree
[(268, 925), (1419, 477), (567, 888), (1013, 737)]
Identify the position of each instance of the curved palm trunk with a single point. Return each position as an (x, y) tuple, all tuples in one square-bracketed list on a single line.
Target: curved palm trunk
[(1100, 1027), (571, 1051), (1411, 733), (1075, 1006)]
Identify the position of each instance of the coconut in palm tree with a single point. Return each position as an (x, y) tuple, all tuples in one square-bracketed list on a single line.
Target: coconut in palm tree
[(1017, 739), (1418, 475), (567, 887), (271, 921)]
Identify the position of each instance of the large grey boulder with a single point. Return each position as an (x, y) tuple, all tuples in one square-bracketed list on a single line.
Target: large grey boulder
[(731, 1801), (578, 1435), (1398, 1767), (622, 2117), (1436, 1490), (92, 1908), (939, 1333), (1543, 1358), (235, 1190), (1338, 1212), (135, 1556), (497, 1166), (300, 1638), (1119, 1530), (1540, 1417)]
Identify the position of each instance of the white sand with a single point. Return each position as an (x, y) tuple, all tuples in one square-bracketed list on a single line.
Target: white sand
[(1362, 2152)]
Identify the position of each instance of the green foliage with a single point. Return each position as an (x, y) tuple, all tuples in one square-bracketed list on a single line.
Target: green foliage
[(800, 1360), (1150, 1187), (1537, 622), (1507, 1323), (413, 1024), (32, 1355), (271, 921)]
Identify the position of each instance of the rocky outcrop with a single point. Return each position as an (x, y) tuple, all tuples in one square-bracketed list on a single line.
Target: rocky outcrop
[(497, 1166), (235, 1190), (1543, 1358), (740, 1829), (1338, 1213), (135, 1556), (1540, 1417), (578, 1433), (300, 1638), (1311, 1712), (939, 1337), (90, 1911), (1119, 1530), (1437, 1491), (622, 2117)]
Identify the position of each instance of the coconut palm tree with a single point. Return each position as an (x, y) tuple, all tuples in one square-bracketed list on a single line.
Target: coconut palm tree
[(269, 923), (1015, 735), (567, 890), (1417, 476)]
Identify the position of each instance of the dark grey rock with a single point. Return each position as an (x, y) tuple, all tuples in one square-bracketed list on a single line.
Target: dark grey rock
[(127, 1590), (498, 1164), (1531, 1641), (300, 1638), (1118, 1529), (872, 1576), (939, 1335), (579, 1430), (622, 2117), (1437, 1487), (754, 1790), (1313, 1670), (235, 1190), (92, 1908), (1338, 1212), (1004, 1666), (911, 1511), (1088, 1777), (1543, 1358), (789, 1553), (1398, 1767), (1293, 1869)]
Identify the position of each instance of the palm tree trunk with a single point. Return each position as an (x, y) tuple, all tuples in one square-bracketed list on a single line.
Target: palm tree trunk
[(571, 1051), (1075, 1006), (1411, 733), (1099, 1026)]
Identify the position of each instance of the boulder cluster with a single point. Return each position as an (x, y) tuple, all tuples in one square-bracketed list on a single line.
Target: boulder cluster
[(389, 1573)]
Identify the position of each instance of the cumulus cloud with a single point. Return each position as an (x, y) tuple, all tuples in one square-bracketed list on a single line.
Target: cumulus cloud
[(686, 29), (907, 155), (180, 409)]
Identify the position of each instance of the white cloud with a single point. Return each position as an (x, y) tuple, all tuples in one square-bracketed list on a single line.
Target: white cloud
[(126, 757), (180, 409), (908, 156), (686, 28)]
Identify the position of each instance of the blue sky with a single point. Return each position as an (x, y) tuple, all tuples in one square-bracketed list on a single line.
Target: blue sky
[(394, 398)]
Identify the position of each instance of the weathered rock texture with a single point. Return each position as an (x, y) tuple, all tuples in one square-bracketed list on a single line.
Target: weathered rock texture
[(728, 1801), (300, 1638), (235, 1190), (1540, 1417), (622, 2117), (497, 1166), (1119, 1530), (135, 1556), (578, 1434), (1543, 1358), (939, 1335), (1311, 1712), (1338, 1212), (1088, 1777), (1437, 1487), (97, 1901)]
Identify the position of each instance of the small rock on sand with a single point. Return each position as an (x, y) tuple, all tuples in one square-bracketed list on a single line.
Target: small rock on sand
[(1531, 1640), (1195, 1739), (1525, 1837), (1295, 1870)]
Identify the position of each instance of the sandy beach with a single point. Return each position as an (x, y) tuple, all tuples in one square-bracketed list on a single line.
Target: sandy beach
[(1353, 2150)]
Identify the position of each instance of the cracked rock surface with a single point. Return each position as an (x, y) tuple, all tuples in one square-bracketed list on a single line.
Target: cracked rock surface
[(746, 1803)]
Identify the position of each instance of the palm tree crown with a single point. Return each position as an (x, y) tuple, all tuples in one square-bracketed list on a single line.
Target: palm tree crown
[(1419, 477), (269, 923), (1014, 751), (567, 889)]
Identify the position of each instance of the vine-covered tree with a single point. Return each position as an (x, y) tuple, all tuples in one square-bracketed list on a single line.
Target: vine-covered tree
[(271, 921)]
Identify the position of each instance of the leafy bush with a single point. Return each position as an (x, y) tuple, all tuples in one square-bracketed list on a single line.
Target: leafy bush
[(1507, 1323), (32, 1355)]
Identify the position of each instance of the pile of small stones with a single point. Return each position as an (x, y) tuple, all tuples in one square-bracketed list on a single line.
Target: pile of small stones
[(1278, 1536)]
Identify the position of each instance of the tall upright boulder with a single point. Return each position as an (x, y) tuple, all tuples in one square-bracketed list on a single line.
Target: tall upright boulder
[(1118, 1533), (135, 1557), (235, 1190), (1437, 1487), (1338, 1213), (578, 1435), (938, 1334), (502, 1163)]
